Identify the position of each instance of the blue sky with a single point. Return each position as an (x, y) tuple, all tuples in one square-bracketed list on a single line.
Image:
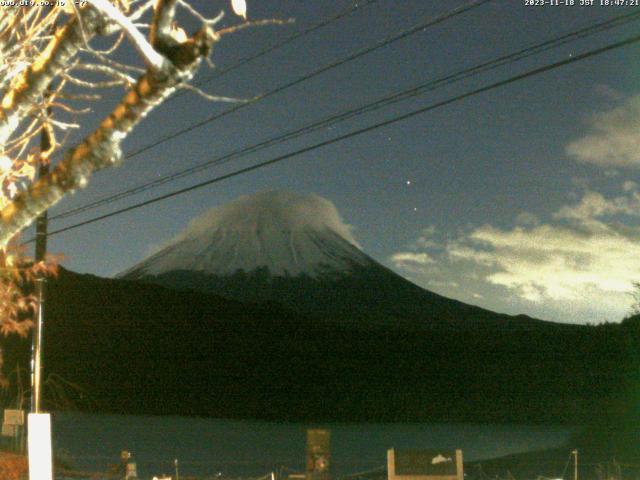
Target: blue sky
[(524, 199)]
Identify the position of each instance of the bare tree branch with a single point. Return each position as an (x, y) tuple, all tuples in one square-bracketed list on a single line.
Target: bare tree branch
[(31, 82), (102, 148), (161, 27), (210, 97), (150, 55)]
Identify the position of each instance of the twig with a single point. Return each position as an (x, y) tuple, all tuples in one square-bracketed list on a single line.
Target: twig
[(213, 98), (151, 56), (199, 16), (252, 24)]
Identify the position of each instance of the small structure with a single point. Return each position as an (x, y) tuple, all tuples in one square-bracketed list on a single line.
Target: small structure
[(128, 466), (424, 465), (13, 423), (318, 454)]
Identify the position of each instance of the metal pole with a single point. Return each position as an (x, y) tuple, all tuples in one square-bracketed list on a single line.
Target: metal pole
[(175, 462), (37, 349), (575, 464), (41, 251)]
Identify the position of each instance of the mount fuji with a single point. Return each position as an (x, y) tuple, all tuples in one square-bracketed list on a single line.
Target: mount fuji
[(296, 250), (286, 234), (268, 308)]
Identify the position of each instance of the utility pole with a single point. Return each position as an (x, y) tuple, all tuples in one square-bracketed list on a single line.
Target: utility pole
[(40, 254), (39, 445), (575, 464)]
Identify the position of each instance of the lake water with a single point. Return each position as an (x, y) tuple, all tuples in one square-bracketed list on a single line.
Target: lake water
[(246, 448)]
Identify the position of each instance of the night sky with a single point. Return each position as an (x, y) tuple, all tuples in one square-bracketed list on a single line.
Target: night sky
[(522, 199)]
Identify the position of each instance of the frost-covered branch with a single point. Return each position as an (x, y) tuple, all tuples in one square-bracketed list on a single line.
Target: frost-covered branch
[(102, 148), (151, 56), (30, 84), (114, 73), (161, 31)]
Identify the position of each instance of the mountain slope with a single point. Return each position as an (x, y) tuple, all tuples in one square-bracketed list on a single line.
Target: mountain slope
[(281, 316), (143, 348), (296, 250)]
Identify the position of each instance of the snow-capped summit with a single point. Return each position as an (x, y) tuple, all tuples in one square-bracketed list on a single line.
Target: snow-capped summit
[(288, 234)]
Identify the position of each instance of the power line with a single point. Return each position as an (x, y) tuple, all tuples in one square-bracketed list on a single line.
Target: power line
[(369, 107), (277, 46), (413, 113), (360, 53), (261, 53)]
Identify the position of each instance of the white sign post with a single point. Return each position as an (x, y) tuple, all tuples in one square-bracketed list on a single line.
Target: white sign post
[(39, 445)]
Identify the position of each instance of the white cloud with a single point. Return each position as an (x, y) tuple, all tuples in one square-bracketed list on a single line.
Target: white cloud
[(284, 210), (577, 267), (426, 239), (609, 93), (439, 283), (613, 139), (403, 258), (594, 205), (581, 182), (527, 218), (555, 262)]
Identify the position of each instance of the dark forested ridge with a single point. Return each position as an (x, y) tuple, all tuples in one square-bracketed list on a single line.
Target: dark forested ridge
[(138, 348)]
